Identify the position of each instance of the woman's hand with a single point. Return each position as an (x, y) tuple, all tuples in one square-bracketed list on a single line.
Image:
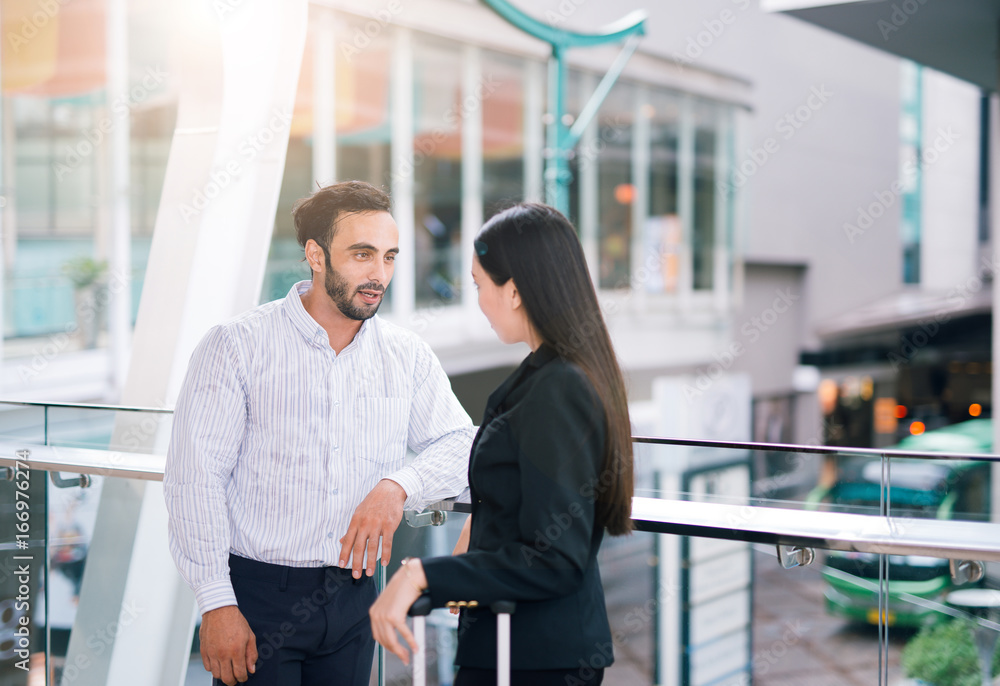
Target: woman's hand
[(463, 538), (388, 614), (462, 547)]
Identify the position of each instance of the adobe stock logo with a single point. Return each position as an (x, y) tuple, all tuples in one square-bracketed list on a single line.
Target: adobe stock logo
[(787, 125), (713, 29), (901, 13)]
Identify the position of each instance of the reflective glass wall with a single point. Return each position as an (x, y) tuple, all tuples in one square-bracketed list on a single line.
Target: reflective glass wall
[(61, 125), (454, 132)]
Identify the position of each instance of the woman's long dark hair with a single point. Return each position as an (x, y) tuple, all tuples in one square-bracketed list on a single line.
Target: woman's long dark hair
[(537, 246)]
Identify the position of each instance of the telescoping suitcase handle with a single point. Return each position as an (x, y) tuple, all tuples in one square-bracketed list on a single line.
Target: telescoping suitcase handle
[(503, 609)]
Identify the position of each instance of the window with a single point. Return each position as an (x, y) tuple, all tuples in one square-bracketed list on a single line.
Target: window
[(439, 108), (662, 230), (503, 131), (703, 222)]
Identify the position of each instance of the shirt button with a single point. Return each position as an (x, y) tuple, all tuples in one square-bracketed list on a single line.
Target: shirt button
[(335, 491), (336, 448), (336, 403), (329, 535)]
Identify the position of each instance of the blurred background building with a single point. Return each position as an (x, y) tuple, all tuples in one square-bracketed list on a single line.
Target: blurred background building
[(758, 196), (786, 208)]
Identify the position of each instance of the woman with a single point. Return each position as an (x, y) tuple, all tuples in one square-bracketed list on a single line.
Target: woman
[(550, 470)]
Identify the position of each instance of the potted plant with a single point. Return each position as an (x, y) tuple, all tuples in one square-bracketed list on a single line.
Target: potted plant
[(87, 276), (944, 654)]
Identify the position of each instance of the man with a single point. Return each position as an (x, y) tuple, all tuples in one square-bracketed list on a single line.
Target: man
[(286, 458)]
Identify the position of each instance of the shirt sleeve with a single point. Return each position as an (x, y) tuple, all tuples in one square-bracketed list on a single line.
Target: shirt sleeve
[(558, 436), (209, 425), (440, 432)]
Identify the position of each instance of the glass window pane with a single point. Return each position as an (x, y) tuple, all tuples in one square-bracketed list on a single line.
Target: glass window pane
[(33, 193), (503, 133), (615, 190), (284, 263), (437, 162), (74, 189), (662, 237), (703, 223), (363, 111), (362, 107)]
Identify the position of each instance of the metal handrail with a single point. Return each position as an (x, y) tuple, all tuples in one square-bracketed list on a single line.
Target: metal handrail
[(111, 463), (87, 406), (816, 449), (950, 539), (648, 440)]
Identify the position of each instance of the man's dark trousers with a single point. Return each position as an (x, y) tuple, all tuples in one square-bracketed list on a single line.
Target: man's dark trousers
[(311, 624)]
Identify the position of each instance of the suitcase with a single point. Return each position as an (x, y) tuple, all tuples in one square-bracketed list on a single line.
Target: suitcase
[(503, 609)]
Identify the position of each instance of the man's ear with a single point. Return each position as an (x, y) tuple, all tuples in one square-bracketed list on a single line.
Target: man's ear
[(315, 256)]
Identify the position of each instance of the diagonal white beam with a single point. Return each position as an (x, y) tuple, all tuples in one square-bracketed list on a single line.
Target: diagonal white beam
[(236, 78)]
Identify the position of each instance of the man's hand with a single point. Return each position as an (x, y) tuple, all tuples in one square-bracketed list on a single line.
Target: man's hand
[(228, 646), (378, 515)]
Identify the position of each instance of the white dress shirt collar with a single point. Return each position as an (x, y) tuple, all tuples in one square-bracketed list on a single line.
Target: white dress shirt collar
[(310, 329)]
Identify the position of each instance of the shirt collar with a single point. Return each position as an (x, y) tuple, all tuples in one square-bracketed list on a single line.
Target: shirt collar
[(307, 326)]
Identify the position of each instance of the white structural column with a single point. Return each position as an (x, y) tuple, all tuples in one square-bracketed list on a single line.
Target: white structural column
[(534, 131), (206, 264), (474, 101), (639, 268), (119, 215), (588, 156)]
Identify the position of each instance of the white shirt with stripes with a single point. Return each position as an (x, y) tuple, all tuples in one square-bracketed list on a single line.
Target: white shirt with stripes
[(277, 439)]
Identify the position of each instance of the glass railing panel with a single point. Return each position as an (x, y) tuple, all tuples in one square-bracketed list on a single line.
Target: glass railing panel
[(629, 566), (955, 638), (683, 609), (634, 596), (63, 518), (98, 427), (738, 614), (423, 539), (701, 624), (729, 475), (24, 635), (799, 637), (20, 422), (72, 514)]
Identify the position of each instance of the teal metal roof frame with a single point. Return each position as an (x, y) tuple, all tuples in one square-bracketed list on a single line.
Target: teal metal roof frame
[(560, 137)]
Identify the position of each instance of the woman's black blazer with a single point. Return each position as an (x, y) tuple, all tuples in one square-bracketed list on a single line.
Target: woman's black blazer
[(534, 474)]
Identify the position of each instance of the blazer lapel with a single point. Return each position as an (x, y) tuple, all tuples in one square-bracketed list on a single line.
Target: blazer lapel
[(543, 355)]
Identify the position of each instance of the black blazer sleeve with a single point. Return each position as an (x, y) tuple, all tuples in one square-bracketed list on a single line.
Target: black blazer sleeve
[(536, 467)]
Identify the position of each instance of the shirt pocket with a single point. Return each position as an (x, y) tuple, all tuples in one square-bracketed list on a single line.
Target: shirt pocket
[(381, 425)]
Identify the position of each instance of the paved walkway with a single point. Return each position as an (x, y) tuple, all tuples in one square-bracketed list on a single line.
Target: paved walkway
[(823, 650)]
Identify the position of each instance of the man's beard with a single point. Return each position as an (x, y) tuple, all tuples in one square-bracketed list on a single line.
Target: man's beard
[(340, 292)]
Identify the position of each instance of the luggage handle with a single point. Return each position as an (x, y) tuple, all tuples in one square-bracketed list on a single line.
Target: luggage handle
[(419, 610)]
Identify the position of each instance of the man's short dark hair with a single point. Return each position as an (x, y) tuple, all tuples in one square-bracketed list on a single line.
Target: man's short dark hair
[(316, 215)]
